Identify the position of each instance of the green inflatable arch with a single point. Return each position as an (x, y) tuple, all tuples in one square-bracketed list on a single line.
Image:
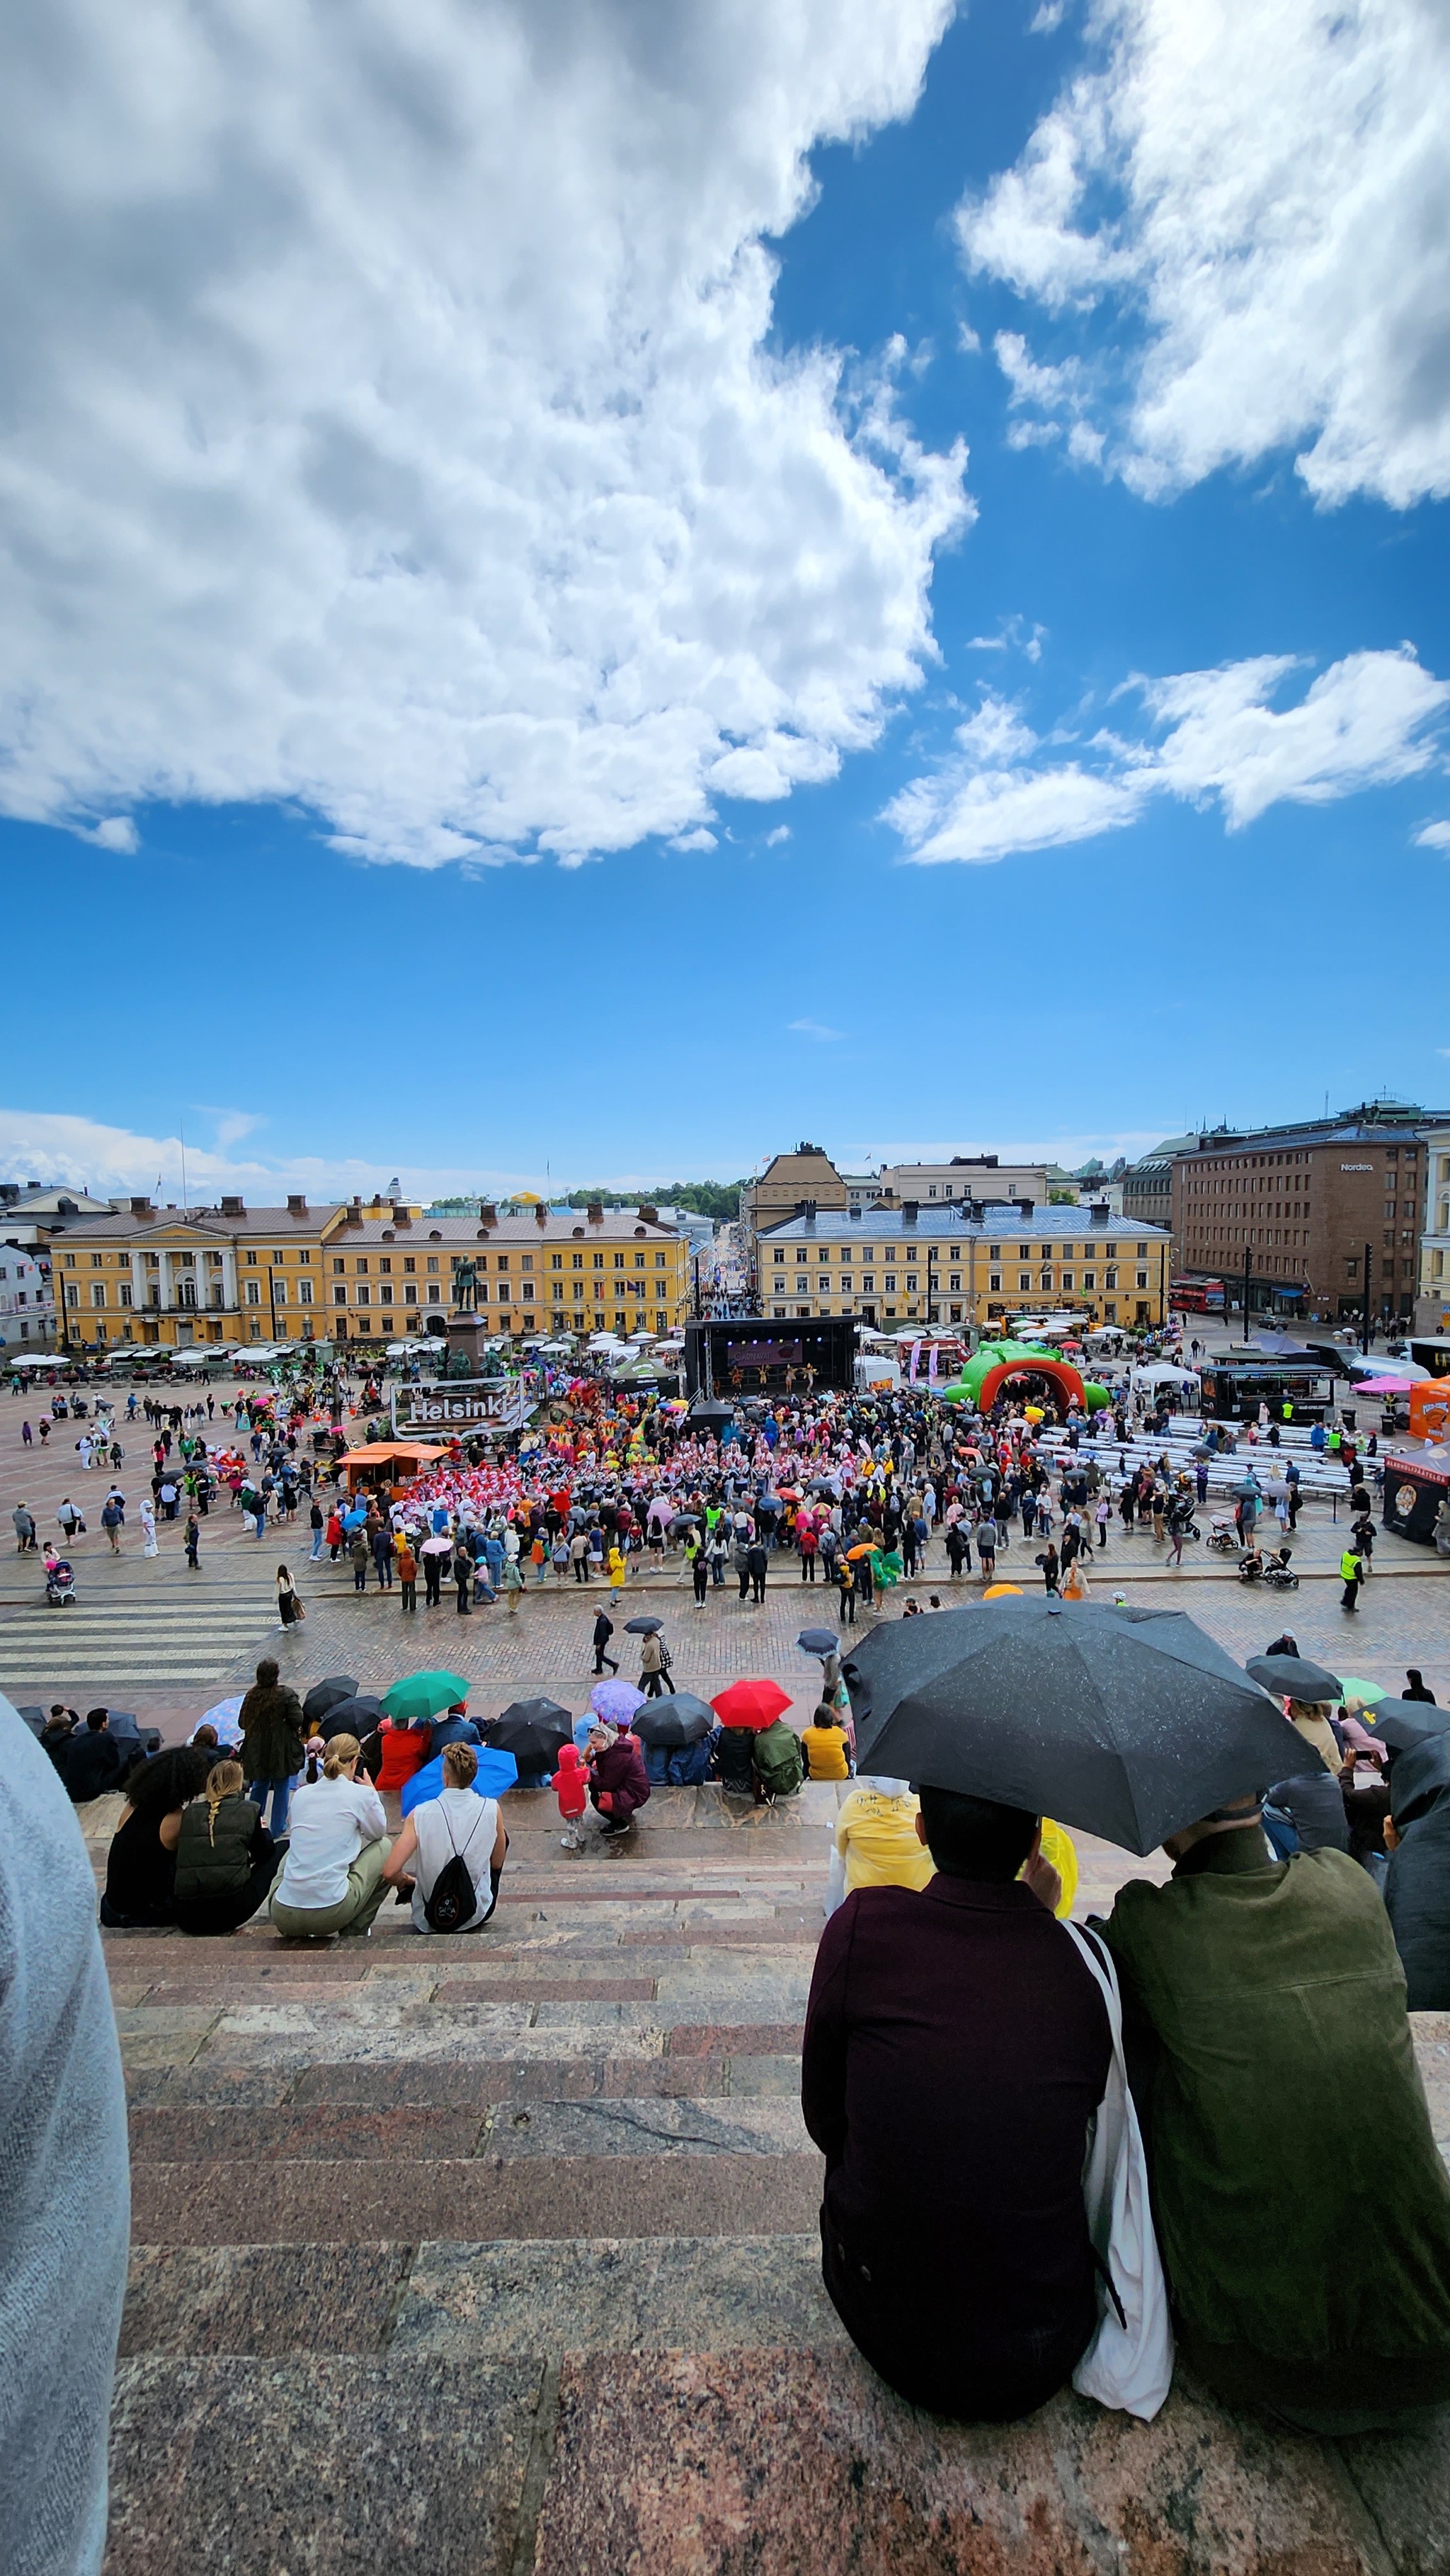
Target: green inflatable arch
[(993, 1364)]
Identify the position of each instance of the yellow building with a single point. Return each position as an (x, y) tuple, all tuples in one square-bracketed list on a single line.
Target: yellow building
[(175, 1278), (936, 1265), (179, 1278), (560, 1270)]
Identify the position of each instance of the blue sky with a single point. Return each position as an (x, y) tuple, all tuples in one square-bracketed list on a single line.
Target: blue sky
[(575, 708)]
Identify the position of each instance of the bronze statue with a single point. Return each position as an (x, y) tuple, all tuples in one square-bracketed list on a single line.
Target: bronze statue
[(465, 1289)]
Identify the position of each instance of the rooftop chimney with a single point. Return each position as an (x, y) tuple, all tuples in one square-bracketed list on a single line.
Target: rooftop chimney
[(1026, 1206), (595, 1215), (909, 1210), (541, 1214), (141, 1208), (487, 1216), (296, 1203), (1100, 1211), (649, 1215), (233, 1207), (402, 1214)]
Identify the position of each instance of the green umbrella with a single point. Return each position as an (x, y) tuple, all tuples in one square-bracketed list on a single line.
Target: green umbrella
[(1368, 1694), (423, 1695)]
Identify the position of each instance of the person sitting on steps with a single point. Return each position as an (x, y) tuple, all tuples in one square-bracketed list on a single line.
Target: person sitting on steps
[(332, 1877), (457, 1824)]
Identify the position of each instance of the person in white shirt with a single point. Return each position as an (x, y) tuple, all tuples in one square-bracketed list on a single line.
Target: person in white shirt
[(456, 1823), (332, 1878)]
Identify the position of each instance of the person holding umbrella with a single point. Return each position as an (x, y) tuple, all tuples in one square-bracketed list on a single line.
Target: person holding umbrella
[(654, 1662), (916, 2059), (1280, 2047)]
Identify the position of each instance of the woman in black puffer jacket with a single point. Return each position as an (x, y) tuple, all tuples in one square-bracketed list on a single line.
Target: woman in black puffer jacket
[(225, 1859)]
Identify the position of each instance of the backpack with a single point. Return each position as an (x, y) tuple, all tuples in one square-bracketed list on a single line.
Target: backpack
[(779, 1766), (454, 1900)]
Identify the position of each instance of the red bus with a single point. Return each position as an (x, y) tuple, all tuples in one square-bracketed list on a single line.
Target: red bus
[(1197, 1296)]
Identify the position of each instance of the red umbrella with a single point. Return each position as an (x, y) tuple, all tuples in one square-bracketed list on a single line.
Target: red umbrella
[(752, 1704)]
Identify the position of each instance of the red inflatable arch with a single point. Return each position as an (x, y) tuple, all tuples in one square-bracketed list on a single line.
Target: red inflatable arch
[(1059, 1373)]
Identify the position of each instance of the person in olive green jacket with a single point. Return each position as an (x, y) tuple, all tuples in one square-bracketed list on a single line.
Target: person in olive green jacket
[(225, 1858), (1302, 2209)]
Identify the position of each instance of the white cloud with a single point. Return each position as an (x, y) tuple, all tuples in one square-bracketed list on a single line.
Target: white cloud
[(1269, 189), (1364, 722), (816, 1029), (117, 832), (49, 1147), (392, 426), (780, 833), (699, 839), (1049, 18), (1435, 836)]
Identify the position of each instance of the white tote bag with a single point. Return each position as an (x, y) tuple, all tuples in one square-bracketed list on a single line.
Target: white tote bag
[(1129, 2362)]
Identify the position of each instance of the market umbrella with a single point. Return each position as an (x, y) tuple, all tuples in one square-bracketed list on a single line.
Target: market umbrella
[(360, 1717), (1294, 1676), (422, 1695), (819, 1641), (325, 1695), (1404, 1723), (1128, 1723), (532, 1730), (672, 1722), (643, 1627), (615, 1700), (754, 1704)]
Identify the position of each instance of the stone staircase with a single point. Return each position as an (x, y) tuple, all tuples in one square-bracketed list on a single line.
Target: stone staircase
[(500, 2256)]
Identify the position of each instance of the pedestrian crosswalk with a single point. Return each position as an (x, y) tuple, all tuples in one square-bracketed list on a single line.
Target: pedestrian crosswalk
[(106, 1646)]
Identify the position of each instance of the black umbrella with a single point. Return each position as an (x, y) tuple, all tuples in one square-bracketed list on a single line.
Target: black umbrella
[(1293, 1676), (684, 1521), (1129, 1723), (532, 1730), (359, 1717), (819, 1641), (642, 1627), (670, 1722), (325, 1695), (1402, 1724)]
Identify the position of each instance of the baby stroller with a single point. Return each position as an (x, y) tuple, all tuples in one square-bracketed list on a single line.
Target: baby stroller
[(1223, 1537), (60, 1583), (1278, 1573)]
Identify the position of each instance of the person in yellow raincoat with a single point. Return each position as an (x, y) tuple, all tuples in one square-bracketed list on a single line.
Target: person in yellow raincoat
[(878, 1844), (617, 1569)]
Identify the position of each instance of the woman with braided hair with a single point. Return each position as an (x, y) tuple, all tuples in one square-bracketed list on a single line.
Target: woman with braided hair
[(225, 1859)]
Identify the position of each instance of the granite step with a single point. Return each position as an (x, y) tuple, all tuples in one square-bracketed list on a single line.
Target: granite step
[(503, 2257)]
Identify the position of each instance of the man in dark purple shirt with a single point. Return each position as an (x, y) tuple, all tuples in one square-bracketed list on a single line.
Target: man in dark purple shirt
[(956, 2049)]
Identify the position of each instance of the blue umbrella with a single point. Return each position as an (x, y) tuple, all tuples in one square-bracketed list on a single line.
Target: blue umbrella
[(496, 1772)]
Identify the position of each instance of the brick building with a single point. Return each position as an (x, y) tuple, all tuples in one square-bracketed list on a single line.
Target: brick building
[(1302, 1202)]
